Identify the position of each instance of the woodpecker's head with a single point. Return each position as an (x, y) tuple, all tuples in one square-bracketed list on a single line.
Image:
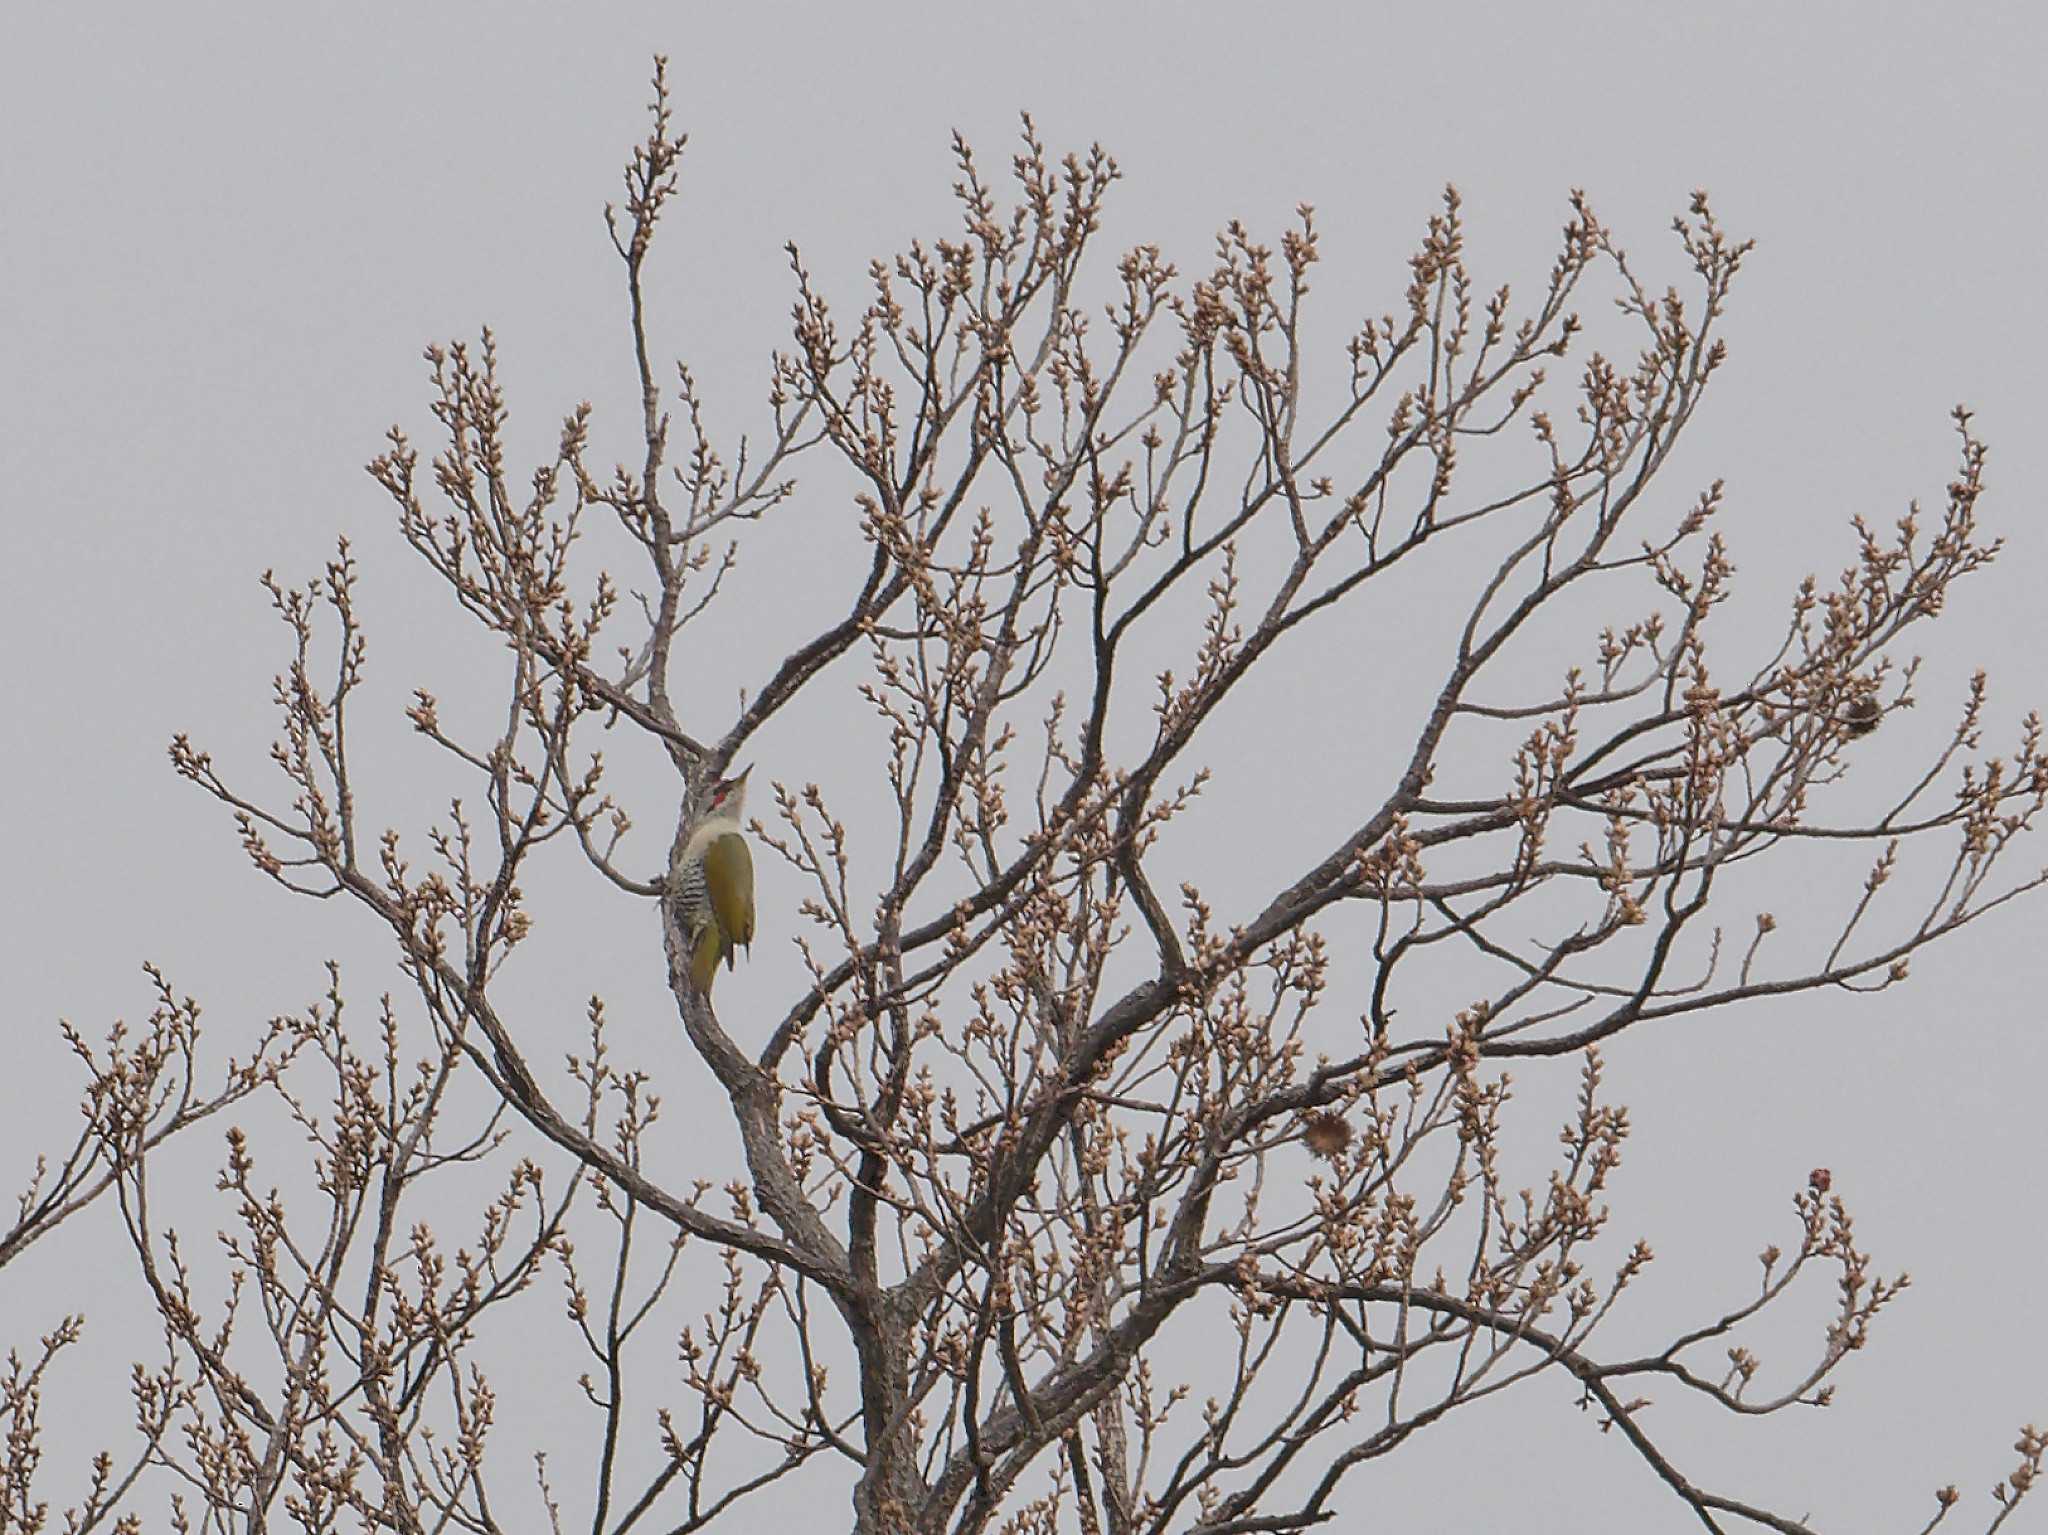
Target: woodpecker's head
[(728, 796)]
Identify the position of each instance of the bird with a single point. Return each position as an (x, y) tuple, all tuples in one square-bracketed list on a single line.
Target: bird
[(715, 884)]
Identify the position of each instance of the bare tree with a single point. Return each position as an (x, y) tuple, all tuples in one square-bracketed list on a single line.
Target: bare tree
[(1074, 1197)]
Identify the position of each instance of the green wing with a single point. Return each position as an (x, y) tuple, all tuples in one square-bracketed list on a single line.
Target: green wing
[(729, 877)]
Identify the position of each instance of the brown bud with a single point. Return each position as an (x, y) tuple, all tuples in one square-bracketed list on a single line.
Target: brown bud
[(1820, 1180)]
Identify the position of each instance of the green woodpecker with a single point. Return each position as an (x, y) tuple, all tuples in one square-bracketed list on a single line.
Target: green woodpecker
[(715, 888)]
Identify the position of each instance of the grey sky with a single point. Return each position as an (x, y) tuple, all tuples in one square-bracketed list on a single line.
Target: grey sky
[(229, 231)]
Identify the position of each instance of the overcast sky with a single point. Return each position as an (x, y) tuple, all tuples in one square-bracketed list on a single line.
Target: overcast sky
[(228, 232)]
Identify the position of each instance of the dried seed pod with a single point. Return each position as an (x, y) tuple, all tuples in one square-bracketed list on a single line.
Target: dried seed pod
[(1326, 1134)]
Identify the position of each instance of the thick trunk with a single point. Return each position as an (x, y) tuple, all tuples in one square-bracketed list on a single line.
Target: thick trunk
[(891, 1494)]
